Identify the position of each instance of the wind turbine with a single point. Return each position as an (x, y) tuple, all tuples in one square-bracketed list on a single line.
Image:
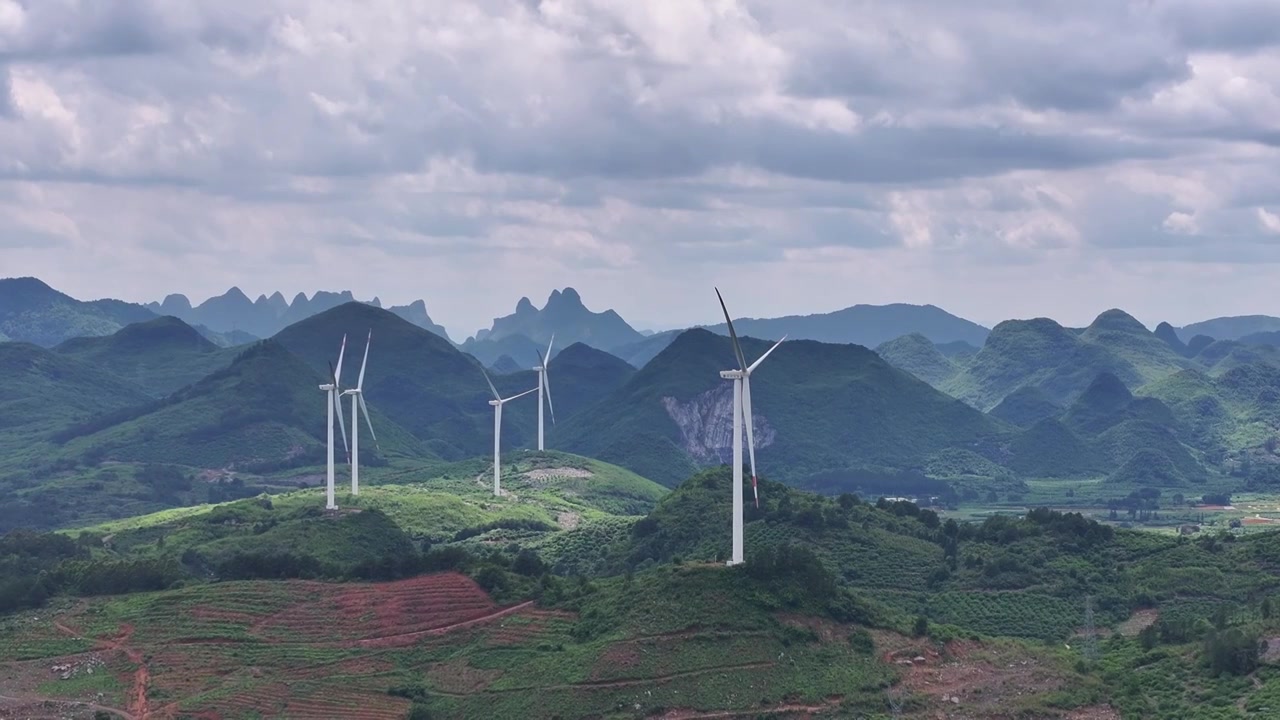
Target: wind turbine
[(741, 405), (544, 384), (335, 407), (497, 402), (357, 407)]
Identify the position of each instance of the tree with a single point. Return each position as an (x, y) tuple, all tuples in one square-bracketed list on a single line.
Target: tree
[(921, 626)]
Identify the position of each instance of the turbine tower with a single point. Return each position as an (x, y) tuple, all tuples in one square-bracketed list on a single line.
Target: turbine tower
[(544, 385), (334, 408), (497, 402), (357, 407), (741, 406)]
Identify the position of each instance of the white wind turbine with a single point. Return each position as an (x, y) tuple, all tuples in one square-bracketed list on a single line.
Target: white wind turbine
[(741, 406), (544, 385), (357, 407), (335, 407), (497, 402)]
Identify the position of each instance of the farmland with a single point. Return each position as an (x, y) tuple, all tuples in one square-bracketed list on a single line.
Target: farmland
[(685, 641)]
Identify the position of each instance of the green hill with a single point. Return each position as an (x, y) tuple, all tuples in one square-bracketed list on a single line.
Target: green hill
[(582, 376), (1025, 407), (1060, 362), (1223, 355), (1233, 412), (1050, 449), (1107, 402), (417, 378), (263, 410), (159, 355), (918, 356), (42, 391), (31, 311), (818, 407), (438, 393)]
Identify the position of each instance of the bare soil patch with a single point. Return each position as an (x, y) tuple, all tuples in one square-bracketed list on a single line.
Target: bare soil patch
[(545, 474), (1140, 620)]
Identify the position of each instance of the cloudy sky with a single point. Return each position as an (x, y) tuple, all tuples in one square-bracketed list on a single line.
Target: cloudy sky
[(999, 158)]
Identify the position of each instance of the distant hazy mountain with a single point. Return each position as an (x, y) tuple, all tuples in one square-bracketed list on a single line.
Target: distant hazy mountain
[(31, 311), (519, 349), (1231, 328), (567, 318), (866, 325), (233, 312)]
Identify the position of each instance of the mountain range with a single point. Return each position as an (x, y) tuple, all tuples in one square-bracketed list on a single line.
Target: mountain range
[(1112, 400), (264, 317)]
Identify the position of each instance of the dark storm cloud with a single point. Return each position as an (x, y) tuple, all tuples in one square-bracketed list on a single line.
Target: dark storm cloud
[(1226, 24)]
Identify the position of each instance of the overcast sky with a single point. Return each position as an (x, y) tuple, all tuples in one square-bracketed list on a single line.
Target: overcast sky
[(999, 158)]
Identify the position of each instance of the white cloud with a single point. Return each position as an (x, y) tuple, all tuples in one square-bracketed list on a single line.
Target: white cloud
[(1270, 221), (470, 153)]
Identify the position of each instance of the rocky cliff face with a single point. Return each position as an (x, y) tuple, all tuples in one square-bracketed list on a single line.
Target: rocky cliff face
[(706, 423)]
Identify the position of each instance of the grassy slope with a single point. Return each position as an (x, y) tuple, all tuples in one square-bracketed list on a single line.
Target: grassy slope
[(833, 406), (160, 355), (556, 489)]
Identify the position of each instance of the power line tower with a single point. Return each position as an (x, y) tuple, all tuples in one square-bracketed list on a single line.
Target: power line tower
[(1090, 632)]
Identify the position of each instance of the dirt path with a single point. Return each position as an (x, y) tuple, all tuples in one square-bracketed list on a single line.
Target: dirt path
[(386, 640), (628, 682), (36, 699), (137, 695), (756, 712)]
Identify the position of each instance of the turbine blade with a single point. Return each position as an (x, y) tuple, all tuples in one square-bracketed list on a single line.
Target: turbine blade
[(341, 352), (544, 377), (333, 376), (546, 382), (513, 397), (751, 436), (756, 364), (365, 409), (548, 357), (342, 424), (360, 381), (737, 349), (492, 389)]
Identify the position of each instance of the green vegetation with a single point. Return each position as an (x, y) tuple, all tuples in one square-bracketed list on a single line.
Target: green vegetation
[(31, 311), (160, 355), (915, 354), (886, 417)]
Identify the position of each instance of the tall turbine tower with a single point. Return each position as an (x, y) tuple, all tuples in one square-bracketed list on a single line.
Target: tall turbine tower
[(358, 406), (741, 406), (497, 402), (544, 385), (334, 408)]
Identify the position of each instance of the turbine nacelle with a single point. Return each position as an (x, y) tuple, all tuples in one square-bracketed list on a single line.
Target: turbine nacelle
[(732, 374)]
